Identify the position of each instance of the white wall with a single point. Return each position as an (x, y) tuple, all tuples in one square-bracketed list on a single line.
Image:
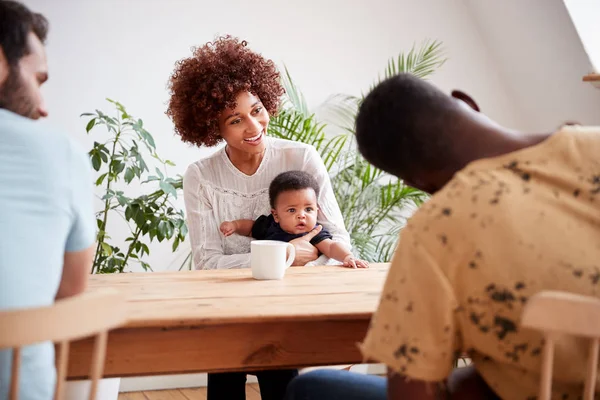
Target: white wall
[(126, 50), (541, 60), (585, 15)]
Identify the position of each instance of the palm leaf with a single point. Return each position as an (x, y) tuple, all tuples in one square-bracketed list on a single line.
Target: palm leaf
[(421, 62), (293, 125), (330, 153), (339, 110), (294, 98)]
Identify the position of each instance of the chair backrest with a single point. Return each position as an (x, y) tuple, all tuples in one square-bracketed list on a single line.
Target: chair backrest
[(556, 313), (88, 314)]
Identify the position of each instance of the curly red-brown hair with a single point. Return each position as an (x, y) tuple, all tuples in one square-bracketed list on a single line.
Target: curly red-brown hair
[(205, 84)]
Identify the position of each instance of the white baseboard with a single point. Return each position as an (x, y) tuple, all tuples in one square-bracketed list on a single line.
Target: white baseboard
[(162, 382)]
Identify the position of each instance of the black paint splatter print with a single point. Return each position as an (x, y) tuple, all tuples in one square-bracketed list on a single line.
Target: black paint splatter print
[(505, 326), (514, 167)]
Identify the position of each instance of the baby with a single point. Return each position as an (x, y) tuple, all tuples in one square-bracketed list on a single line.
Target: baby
[(293, 197)]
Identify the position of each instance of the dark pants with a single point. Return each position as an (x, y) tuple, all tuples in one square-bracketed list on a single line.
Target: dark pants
[(463, 383), (232, 385)]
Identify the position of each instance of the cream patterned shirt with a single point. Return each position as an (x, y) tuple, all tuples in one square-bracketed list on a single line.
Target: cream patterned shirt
[(502, 230)]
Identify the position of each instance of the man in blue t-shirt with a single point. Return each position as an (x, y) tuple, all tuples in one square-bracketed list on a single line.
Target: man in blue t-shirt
[(47, 224)]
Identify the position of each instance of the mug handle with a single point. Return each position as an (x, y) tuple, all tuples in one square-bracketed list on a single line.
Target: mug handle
[(291, 256)]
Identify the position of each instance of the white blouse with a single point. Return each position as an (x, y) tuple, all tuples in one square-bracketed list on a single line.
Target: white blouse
[(215, 191)]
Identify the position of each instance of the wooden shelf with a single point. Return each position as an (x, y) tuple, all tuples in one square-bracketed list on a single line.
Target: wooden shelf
[(591, 78)]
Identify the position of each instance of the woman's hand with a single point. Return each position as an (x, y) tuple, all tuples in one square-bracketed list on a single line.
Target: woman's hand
[(306, 252)]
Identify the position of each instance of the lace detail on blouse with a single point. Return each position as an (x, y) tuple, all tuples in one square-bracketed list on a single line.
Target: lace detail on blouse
[(214, 193)]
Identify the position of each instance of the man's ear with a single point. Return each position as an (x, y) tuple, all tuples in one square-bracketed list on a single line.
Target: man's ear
[(275, 216), (460, 95), (4, 68)]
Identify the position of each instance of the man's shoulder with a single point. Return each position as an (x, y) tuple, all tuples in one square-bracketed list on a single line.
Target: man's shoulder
[(448, 221), (38, 141), (449, 202)]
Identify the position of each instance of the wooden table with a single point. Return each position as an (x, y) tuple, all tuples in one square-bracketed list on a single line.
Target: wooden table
[(210, 321)]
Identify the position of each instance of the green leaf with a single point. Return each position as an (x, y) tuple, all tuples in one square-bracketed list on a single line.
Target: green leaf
[(168, 188), (90, 125), (96, 162), (170, 230), (128, 213), (101, 178), (175, 243), (141, 163), (420, 62), (294, 98), (152, 178), (140, 218), (169, 162), (106, 248), (102, 148), (148, 137), (161, 231), (183, 230), (146, 266), (123, 201), (129, 174), (117, 166)]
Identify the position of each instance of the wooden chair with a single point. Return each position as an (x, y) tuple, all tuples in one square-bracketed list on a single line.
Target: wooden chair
[(66, 320), (557, 313)]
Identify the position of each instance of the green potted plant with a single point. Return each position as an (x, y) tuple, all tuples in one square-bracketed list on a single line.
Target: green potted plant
[(120, 159)]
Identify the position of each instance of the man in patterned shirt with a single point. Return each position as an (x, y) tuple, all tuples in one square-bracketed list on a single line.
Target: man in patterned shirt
[(512, 214)]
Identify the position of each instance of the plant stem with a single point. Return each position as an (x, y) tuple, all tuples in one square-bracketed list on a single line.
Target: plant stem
[(132, 245), (95, 267)]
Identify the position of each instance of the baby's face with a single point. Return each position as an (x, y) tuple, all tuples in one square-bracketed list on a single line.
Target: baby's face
[(296, 210)]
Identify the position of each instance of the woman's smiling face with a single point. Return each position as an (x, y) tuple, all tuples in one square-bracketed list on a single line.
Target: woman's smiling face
[(245, 126)]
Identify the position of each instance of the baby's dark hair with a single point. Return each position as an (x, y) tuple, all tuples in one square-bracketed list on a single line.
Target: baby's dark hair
[(291, 180)]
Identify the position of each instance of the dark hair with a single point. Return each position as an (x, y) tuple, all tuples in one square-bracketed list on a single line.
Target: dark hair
[(205, 84), (16, 22), (406, 125), (291, 180)]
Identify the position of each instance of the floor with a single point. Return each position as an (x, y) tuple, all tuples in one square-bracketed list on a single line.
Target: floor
[(252, 393)]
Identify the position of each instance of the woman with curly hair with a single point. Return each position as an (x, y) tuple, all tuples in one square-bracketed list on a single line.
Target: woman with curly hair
[(226, 93)]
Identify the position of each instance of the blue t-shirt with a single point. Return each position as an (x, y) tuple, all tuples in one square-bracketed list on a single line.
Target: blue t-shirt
[(265, 228), (46, 209)]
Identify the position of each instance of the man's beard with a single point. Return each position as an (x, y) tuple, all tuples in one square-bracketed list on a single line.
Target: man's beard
[(13, 95)]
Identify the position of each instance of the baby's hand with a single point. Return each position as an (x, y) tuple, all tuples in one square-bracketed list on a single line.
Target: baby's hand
[(351, 262), (228, 228)]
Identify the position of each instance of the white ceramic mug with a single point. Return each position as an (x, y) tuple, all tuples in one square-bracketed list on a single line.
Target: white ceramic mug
[(268, 258)]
